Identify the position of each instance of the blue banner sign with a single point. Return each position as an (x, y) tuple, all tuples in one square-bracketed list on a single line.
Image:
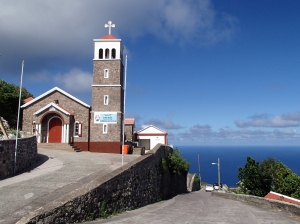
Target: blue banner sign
[(103, 117)]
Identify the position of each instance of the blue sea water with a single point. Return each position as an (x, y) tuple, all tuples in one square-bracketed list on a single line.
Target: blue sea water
[(231, 157)]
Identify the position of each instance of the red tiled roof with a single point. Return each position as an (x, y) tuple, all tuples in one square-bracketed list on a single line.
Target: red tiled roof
[(28, 99), (276, 196), (108, 36), (129, 121)]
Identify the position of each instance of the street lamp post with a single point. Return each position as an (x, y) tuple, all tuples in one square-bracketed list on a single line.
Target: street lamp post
[(219, 176)]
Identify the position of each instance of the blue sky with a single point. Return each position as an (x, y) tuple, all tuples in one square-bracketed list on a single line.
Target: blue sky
[(207, 72)]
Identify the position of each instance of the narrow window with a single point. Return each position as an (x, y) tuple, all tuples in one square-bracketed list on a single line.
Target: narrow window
[(77, 129), (113, 53), (105, 128), (106, 53), (106, 73), (105, 99), (100, 53)]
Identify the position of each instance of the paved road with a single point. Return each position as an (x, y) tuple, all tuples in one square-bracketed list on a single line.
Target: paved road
[(201, 207), (56, 173), (59, 172)]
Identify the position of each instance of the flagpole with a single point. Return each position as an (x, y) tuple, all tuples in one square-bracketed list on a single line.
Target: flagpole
[(17, 132), (123, 141)]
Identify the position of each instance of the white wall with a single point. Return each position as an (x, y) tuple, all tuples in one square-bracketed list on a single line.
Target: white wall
[(154, 140), (110, 44)]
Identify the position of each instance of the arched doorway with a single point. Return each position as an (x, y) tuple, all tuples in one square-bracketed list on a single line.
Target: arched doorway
[(55, 130)]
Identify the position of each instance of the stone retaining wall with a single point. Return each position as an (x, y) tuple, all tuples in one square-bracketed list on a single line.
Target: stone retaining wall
[(138, 183), (191, 184), (259, 201), (26, 155)]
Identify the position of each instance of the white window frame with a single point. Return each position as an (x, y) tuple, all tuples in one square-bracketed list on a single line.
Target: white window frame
[(105, 99), (106, 73), (79, 133), (105, 128)]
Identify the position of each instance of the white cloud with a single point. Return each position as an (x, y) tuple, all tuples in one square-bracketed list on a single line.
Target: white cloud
[(204, 134), (63, 31), (263, 120), (75, 81), (167, 124), (163, 124)]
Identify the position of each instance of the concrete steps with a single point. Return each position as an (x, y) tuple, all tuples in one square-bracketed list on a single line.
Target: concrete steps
[(58, 146)]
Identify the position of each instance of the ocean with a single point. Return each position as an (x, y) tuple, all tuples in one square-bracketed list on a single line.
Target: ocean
[(231, 157)]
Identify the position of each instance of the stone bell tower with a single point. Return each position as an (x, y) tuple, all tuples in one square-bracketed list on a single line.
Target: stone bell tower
[(107, 94)]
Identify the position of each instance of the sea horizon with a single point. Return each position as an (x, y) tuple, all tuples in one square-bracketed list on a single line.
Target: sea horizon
[(232, 157)]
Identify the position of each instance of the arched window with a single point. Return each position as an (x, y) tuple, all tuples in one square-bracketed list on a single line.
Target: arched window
[(106, 53), (77, 129), (100, 53), (113, 53)]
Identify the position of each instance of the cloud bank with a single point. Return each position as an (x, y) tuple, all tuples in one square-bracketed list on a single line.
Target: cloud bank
[(264, 120), (57, 35)]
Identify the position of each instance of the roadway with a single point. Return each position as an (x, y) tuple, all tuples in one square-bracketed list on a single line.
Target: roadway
[(201, 207), (59, 172)]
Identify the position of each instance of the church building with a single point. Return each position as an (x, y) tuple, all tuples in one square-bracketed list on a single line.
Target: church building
[(57, 116)]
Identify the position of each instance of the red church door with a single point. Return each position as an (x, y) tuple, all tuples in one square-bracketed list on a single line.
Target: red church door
[(55, 128)]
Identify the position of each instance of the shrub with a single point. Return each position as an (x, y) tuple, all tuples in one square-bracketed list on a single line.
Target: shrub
[(177, 164), (196, 178)]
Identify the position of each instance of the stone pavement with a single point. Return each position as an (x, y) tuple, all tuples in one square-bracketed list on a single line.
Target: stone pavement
[(201, 207), (57, 172)]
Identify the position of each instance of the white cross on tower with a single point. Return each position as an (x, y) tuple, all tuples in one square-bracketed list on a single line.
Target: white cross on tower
[(109, 25)]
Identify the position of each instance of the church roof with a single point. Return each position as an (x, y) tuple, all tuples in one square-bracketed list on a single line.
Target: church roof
[(51, 91), (108, 36)]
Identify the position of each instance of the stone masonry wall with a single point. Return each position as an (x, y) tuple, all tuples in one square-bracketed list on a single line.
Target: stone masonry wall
[(136, 184), (26, 155)]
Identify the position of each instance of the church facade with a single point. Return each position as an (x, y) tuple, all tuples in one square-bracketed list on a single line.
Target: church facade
[(57, 116)]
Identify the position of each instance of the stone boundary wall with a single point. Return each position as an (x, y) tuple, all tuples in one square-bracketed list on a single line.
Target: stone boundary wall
[(262, 202), (191, 184), (138, 183), (26, 155)]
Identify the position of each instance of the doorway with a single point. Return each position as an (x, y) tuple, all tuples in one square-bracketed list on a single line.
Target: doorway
[(55, 130)]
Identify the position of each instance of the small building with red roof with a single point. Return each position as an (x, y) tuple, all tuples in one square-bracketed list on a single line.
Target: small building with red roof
[(276, 196)]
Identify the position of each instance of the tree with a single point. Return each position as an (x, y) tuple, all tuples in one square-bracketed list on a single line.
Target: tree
[(271, 174), (9, 101), (253, 180), (276, 170)]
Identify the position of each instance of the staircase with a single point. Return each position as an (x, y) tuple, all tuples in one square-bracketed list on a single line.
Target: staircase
[(58, 146)]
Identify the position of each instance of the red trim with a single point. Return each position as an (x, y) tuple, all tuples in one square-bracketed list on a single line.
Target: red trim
[(106, 147)]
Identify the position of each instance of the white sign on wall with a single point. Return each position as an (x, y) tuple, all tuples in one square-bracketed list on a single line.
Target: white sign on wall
[(105, 117)]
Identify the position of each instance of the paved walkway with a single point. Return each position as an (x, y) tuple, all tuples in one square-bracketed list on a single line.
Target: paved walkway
[(201, 207), (56, 173)]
